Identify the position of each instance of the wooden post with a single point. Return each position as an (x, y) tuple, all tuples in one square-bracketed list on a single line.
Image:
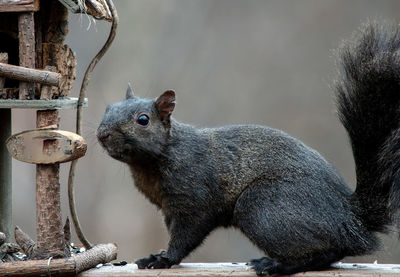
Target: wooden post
[(5, 167), (26, 36), (50, 235)]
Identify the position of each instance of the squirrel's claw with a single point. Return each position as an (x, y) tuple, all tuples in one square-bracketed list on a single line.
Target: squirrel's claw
[(144, 262), (263, 266), (154, 261)]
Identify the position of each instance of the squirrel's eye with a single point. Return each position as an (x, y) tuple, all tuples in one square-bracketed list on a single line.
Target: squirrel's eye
[(143, 120)]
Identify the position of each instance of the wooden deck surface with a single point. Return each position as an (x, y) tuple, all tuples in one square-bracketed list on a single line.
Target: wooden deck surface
[(240, 270)]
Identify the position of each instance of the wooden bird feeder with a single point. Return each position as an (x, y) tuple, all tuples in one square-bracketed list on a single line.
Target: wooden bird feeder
[(36, 72)]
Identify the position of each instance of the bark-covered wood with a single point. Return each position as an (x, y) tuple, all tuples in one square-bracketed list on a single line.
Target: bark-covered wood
[(24, 241), (29, 75), (58, 267), (45, 91), (54, 19), (50, 236), (38, 49), (46, 118), (62, 57), (26, 36), (99, 254), (102, 253), (19, 5), (67, 232)]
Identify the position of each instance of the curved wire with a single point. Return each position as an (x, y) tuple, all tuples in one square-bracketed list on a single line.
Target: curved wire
[(82, 94)]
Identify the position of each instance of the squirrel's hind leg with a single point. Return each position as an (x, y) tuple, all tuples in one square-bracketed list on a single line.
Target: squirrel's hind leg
[(266, 265), (296, 237)]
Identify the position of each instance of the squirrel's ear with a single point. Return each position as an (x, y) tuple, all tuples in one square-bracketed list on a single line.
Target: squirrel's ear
[(129, 92), (165, 104)]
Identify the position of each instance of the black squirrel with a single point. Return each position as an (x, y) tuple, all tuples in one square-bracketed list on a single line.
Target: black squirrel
[(283, 195)]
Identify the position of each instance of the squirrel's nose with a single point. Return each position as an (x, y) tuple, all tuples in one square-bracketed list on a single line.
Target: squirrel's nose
[(102, 136)]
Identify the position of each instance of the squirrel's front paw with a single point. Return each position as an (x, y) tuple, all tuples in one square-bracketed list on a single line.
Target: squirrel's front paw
[(154, 261)]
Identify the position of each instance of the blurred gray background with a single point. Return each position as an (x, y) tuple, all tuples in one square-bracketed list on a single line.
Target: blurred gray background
[(230, 61)]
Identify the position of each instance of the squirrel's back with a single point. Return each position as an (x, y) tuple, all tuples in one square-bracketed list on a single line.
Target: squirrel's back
[(243, 153)]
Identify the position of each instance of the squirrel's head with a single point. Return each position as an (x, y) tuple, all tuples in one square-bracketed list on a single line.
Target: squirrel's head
[(137, 127)]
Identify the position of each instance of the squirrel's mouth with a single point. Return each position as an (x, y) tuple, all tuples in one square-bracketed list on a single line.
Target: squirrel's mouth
[(116, 155), (122, 156)]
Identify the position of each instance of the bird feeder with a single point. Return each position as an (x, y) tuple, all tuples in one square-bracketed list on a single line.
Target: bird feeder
[(36, 72)]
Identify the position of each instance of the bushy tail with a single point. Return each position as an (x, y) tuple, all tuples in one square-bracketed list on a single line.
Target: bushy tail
[(368, 100)]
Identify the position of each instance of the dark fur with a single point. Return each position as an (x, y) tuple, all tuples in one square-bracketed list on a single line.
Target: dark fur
[(368, 96), (280, 193)]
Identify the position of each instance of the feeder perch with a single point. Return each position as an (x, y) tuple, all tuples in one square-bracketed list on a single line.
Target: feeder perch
[(36, 72), (31, 146)]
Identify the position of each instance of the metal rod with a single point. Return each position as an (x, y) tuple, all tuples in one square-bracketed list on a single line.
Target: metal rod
[(5, 175)]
